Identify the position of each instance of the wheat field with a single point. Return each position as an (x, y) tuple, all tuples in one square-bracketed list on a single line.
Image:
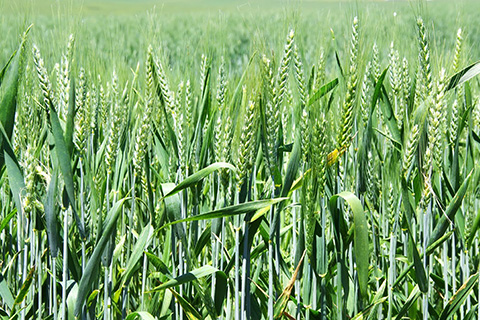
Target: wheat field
[(239, 160)]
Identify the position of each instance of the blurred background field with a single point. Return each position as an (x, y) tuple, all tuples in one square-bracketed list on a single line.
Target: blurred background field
[(118, 30)]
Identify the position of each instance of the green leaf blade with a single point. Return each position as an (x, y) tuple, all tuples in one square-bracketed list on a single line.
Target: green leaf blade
[(323, 91), (94, 262), (463, 75), (361, 243), (198, 176)]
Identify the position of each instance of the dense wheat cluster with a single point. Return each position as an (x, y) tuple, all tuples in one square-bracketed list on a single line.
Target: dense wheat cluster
[(263, 174)]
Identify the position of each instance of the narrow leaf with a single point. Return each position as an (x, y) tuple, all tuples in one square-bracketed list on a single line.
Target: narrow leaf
[(15, 177), (5, 67), (282, 301), (452, 209), (69, 125), (464, 75), (473, 231), (420, 274), (389, 117), (290, 176), (337, 58), (25, 287), (187, 277), (137, 252), (92, 297), (409, 302), (7, 219), (159, 265), (190, 311), (87, 278), (51, 216), (65, 165), (378, 299), (458, 298), (238, 88), (198, 176), (367, 137), (323, 91), (229, 211)]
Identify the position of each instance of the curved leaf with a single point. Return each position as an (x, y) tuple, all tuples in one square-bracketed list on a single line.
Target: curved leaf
[(361, 244), (228, 211), (172, 204), (159, 265), (144, 315), (464, 75), (238, 88), (220, 291), (201, 272), (198, 176), (173, 210), (72, 297)]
